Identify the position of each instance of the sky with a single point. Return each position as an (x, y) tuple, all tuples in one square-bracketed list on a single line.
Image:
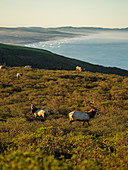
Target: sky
[(57, 13)]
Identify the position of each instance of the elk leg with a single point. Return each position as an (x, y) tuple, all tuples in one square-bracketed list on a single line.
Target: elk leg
[(83, 123), (88, 123), (35, 115), (71, 122)]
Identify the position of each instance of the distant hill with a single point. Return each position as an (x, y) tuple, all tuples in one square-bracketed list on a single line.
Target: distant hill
[(27, 35), (38, 58), (86, 29)]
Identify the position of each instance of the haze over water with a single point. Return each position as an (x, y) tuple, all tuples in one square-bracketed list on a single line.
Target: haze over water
[(107, 48)]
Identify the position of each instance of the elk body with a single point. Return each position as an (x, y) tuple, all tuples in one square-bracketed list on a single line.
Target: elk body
[(39, 112), (18, 75), (28, 66), (2, 66), (78, 68), (82, 116)]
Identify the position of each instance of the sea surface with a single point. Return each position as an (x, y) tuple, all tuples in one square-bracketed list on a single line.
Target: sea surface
[(108, 48)]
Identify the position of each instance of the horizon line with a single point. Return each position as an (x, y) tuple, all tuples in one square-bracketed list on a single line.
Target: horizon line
[(98, 27)]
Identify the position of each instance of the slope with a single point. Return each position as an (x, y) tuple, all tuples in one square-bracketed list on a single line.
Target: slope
[(38, 58), (27, 142)]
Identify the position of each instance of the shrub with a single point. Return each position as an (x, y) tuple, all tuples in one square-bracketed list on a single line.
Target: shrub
[(28, 142)]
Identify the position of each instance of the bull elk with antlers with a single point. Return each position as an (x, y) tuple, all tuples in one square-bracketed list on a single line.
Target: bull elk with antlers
[(82, 116), (38, 112)]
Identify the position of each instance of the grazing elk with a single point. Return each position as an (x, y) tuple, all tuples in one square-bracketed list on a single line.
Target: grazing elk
[(78, 68), (2, 66), (28, 66), (82, 116), (18, 75), (39, 112)]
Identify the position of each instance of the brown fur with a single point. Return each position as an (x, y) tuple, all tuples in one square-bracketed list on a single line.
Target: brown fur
[(78, 68), (18, 75), (39, 112)]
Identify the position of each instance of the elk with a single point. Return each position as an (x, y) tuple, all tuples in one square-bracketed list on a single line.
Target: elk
[(2, 66), (39, 112), (82, 116), (28, 66), (18, 75), (78, 68)]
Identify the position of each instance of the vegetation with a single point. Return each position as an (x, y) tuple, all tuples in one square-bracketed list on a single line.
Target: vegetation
[(37, 58), (27, 142)]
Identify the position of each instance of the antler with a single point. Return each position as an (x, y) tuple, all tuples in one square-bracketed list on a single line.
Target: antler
[(93, 104), (30, 100)]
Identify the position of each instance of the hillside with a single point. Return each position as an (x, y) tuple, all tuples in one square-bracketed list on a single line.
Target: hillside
[(27, 142), (38, 58)]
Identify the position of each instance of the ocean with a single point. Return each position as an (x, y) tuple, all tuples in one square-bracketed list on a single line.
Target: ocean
[(107, 48)]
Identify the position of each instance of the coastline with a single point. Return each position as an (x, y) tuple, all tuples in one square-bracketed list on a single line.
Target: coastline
[(101, 51), (54, 38)]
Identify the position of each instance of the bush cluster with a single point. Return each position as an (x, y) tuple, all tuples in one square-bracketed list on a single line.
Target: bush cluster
[(27, 142)]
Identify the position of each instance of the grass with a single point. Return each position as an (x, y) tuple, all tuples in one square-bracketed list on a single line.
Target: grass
[(27, 142)]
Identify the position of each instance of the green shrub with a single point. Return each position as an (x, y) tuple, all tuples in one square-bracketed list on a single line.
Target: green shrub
[(27, 142)]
